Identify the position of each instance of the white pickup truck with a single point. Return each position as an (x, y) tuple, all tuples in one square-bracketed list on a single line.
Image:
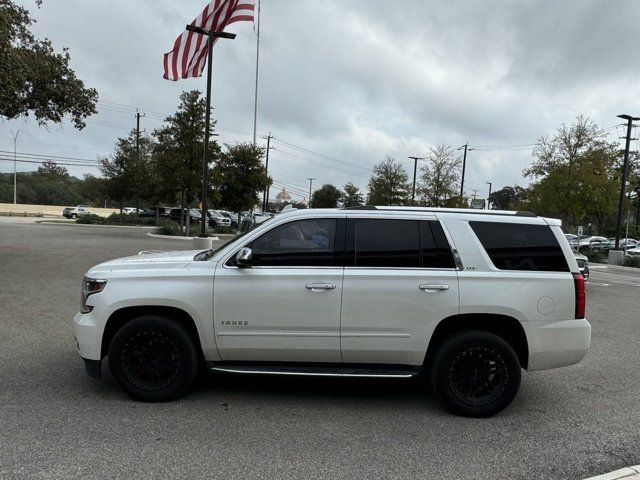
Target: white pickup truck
[(463, 297)]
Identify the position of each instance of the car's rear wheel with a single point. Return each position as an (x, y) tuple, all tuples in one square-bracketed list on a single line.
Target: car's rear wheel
[(475, 373), (153, 358)]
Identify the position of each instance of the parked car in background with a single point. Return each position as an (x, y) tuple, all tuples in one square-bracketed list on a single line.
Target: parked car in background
[(233, 218), (633, 252), (625, 243), (75, 212), (583, 264), (129, 210), (217, 219), (591, 243), (153, 211), (194, 215)]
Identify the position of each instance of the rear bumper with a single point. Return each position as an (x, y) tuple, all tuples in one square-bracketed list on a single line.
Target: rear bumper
[(556, 344)]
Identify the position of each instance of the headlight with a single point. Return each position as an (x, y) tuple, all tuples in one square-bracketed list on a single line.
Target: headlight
[(89, 287)]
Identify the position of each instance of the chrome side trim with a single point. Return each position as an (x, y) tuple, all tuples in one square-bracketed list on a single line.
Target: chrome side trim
[(275, 334), (312, 374)]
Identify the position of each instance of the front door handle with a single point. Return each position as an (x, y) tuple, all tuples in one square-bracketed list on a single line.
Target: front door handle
[(433, 288), (315, 287)]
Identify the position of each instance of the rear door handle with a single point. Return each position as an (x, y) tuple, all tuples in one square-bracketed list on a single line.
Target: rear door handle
[(433, 288), (314, 287)]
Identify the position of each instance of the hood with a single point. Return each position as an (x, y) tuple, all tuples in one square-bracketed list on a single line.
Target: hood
[(149, 259)]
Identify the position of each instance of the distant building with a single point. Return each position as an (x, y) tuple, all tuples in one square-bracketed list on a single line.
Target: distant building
[(304, 201), (283, 197)]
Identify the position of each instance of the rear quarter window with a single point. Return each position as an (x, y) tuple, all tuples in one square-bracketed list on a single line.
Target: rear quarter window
[(514, 246)]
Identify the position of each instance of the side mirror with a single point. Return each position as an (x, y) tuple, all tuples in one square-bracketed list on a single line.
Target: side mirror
[(243, 257)]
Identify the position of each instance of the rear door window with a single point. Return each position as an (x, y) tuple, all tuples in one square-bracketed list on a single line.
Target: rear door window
[(514, 246), (387, 243)]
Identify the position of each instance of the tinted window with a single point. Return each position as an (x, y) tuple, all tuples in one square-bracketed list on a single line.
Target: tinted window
[(387, 243), (436, 252), (521, 247), (300, 243)]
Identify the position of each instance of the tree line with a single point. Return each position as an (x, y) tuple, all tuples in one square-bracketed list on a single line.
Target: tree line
[(575, 176)]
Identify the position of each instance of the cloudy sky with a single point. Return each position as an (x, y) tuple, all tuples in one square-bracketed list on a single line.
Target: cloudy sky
[(346, 83)]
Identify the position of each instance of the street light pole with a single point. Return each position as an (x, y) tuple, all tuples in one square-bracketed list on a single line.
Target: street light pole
[(211, 36), (15, 183), (630, 121), (415, 171), (489, 197)]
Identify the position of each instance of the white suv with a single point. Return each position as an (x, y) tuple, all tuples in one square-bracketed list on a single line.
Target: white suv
[(466, 298)]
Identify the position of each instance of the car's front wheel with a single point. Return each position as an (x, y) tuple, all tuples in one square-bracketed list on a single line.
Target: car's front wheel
[(153, 358), (74, 216), (475, 373)]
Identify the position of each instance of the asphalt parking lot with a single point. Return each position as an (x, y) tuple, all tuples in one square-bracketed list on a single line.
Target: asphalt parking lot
[(56, 422)]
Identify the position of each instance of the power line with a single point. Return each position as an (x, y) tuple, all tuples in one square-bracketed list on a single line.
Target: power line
[(37, 155)]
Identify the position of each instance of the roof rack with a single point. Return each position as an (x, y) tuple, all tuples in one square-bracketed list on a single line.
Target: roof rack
[(519, 213)]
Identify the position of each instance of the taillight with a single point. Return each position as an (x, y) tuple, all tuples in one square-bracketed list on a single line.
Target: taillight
[(581, 295)]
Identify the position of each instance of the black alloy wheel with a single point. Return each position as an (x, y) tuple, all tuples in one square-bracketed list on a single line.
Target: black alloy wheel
[(153, 358), (475, 373)]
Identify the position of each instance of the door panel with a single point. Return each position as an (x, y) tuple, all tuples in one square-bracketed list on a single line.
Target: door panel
[(387, 318), (278, 314)]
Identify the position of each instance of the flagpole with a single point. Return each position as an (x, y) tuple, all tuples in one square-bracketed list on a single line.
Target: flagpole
[(255, 98), (211, 36)]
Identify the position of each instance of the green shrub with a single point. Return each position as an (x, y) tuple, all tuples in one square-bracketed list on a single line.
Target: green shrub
[(91, 219), (596, 256), (168, 227), (631, 261)]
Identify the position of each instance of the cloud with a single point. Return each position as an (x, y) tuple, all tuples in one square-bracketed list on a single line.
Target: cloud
[(359, 81)]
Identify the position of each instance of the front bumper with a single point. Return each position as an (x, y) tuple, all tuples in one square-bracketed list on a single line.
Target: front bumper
[(88, 335), (554, 344)]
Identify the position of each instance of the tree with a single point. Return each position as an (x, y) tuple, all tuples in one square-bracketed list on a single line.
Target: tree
[(52, 171), (179, 149), (239, 175), (351, 197), (126, 172), (576, 174), (34, 78), (326, 197), (440, 177), (389, 184), (503, 199)]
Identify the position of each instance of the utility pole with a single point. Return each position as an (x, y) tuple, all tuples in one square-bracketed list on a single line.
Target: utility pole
[(15, 160), (265, 195), (475, 193), (489, 197), (211, 36), (310, 184), (623, 181), (464, 167), (415, 170)]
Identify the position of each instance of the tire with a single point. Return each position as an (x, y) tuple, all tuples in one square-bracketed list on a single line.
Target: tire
[(73, 216), (153, 358), (494, 382)]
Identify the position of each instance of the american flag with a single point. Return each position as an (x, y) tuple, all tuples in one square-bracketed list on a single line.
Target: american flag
[(189, 54)]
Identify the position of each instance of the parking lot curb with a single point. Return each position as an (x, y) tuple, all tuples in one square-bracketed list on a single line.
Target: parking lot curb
[(175, 237), (605, 266), (628, 472), (70, 223)]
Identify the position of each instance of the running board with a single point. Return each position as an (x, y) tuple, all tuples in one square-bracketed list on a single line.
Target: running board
[(315, 371)]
